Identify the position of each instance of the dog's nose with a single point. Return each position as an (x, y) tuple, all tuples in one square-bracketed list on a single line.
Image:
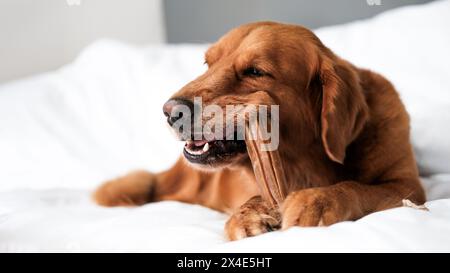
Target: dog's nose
[(174, 108)]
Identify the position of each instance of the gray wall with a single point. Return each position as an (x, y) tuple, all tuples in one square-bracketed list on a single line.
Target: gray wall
[(41, 35), (207, 20)]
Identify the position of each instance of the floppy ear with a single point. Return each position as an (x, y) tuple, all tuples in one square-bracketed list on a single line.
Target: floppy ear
[(344, 109)]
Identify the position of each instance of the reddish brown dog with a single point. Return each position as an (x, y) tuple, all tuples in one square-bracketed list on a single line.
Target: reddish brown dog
[(344, 137)]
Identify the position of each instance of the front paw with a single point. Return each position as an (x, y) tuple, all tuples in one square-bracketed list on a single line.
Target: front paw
[(253, 218), (314, 207)]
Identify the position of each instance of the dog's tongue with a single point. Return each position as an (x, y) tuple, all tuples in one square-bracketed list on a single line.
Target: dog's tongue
[(199, 143), (196, 143)]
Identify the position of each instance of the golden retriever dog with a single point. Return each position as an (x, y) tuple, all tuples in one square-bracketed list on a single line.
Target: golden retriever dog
[(344, 137)]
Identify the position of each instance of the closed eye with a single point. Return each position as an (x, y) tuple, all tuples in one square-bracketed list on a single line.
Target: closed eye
[(253, 72)]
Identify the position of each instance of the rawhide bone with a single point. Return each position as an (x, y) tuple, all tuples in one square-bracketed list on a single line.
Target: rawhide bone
[(267, 166)]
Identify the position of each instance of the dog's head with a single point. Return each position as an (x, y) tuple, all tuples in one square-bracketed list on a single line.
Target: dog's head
[(321, 105)]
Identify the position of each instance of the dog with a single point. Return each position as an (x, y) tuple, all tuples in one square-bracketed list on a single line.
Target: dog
[(344, 137)]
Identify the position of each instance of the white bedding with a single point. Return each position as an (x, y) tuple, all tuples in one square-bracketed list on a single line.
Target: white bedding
[(64, 132)]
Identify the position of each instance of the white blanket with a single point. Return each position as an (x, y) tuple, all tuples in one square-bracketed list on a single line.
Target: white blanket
[(63, 133)]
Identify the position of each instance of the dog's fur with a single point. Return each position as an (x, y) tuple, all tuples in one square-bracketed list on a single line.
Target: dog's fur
[(344, 137)]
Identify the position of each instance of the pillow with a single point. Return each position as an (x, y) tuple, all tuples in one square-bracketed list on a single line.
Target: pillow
[(95, 119)]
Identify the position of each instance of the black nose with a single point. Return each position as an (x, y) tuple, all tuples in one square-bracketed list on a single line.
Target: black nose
[(174, 108)]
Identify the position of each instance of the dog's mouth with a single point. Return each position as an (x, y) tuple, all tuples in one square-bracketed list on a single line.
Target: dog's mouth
[(214, 152)]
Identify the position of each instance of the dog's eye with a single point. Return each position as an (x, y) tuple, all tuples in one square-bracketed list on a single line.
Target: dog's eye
[(253, 72)]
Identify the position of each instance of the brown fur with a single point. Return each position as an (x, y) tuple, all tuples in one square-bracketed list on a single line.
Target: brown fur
[(344, 137)]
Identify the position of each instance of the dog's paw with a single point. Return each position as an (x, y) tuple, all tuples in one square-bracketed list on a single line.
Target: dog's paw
[(313, 207), (253, 218), (131, 190)]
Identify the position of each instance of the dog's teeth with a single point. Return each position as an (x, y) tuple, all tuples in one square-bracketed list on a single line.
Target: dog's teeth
[(206, 147)]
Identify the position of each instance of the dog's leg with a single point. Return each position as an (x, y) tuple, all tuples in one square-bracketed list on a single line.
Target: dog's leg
[(130, 190), (347, 200), (140, 187), (252, 218)]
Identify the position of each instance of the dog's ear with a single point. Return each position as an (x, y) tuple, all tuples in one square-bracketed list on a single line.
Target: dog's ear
[(344, 110)]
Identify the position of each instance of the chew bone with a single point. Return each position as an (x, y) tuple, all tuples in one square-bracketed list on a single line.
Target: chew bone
[(267, 166)]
